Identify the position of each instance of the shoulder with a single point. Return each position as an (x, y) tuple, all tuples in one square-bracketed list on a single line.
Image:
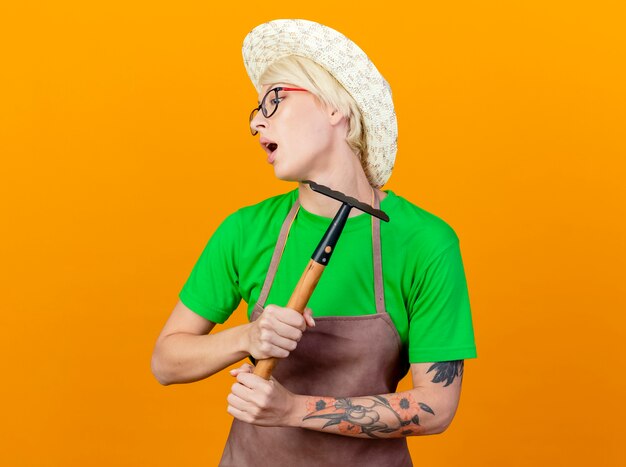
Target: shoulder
[(418, 229), (264, 214), (250, 226)]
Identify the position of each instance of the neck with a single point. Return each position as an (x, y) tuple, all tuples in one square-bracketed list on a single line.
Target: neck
[(351, 183)]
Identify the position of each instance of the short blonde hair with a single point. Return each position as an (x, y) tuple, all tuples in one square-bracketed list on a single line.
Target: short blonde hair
[(305, 73)]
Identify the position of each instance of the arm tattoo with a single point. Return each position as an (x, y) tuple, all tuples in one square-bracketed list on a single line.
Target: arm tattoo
[(446, 371), (365, 415)]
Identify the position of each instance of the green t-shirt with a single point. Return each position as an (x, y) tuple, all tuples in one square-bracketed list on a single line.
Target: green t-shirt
[(424, 280)]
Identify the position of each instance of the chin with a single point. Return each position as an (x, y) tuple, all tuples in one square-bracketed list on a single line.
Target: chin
[(287, 175), (290, 179)]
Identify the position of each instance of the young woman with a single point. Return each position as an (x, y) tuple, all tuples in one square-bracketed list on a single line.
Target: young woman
[(394, 297)]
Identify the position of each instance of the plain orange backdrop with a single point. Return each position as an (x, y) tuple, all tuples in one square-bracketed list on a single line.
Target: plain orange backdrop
[(124, 143)]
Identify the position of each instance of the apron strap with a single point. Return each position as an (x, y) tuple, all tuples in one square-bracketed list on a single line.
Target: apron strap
[(278, 252), (378, 264), (282, 240)]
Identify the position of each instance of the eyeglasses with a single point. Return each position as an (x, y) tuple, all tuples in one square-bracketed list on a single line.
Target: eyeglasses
[(269, 104)]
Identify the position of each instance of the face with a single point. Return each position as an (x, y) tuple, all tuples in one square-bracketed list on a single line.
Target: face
[(302, 131)]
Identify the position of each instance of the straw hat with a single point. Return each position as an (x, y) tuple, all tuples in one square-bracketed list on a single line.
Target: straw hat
[(343, 59)]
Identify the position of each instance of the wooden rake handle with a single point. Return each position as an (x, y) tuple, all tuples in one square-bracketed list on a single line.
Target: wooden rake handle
[(299, 298)]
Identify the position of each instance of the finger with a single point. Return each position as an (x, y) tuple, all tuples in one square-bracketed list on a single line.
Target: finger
[(283, 344), (273, 351), (239, 414), (242, 392), (286, 330), (308, 317), (245, 368), (291, 317), (252, 381), (239, 404)]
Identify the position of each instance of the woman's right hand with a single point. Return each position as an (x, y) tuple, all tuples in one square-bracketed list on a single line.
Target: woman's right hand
[(277, 331)]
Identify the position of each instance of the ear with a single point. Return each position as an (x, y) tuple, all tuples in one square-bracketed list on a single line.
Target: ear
[(335, 117)]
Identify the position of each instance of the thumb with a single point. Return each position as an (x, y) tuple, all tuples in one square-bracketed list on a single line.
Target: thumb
[(308, 317)]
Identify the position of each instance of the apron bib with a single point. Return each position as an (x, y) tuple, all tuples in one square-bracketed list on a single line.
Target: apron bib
[(342, 356)]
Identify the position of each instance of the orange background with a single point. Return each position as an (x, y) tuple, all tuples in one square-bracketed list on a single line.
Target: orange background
[(124, 143)]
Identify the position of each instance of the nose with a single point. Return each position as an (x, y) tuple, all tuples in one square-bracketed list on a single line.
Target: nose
[(258, 121)]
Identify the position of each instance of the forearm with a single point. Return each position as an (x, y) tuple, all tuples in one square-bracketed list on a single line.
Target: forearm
[(394, 415), (185, 358)]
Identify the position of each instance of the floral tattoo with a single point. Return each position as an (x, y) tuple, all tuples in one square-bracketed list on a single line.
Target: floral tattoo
[(358, 415), (365, 415)]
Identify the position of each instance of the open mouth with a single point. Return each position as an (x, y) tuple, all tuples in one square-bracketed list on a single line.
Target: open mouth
[(270, 147)]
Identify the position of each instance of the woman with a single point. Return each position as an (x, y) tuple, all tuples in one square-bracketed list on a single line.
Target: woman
[(393, 299)]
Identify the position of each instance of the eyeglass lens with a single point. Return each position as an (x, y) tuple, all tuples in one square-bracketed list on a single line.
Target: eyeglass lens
[(268, 106), (270, 102)]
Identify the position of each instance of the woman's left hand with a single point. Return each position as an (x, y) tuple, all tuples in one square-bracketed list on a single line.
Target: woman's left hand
[(255, 400)]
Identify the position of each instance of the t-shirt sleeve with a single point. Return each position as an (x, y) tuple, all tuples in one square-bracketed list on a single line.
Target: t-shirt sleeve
[(440, 320), (212, 289)]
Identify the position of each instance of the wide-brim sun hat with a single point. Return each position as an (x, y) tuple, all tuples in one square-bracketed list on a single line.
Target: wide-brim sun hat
[(348, 64)]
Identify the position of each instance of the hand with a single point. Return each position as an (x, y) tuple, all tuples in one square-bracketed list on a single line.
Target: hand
[(255, 400), (277, 331)]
